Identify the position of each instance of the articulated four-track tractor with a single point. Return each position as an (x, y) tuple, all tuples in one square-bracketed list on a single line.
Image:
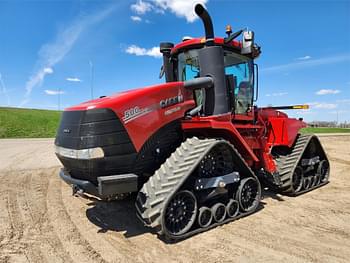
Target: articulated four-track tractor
[(195, 149)]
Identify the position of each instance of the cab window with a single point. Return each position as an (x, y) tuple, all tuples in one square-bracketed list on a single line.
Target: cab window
[(188, 65), (188, 68), (239, 70)]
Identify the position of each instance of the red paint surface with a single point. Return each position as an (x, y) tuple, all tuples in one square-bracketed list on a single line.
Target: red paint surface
[(199, 41)]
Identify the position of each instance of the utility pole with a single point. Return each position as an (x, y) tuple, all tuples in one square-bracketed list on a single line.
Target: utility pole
[(91, 79), (59, 98), (337, 118)]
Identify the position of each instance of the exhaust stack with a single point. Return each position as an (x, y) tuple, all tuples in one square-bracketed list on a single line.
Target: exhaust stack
[(208, 24)]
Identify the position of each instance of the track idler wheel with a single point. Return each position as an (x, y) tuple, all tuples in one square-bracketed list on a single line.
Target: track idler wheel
[(180, 213), (205, 217), (248, 194), (297, 179), (232, 208), (323, 171), (219, 212)]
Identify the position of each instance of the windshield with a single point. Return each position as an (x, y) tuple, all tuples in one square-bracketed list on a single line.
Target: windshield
[(188, 65), (238, 72)]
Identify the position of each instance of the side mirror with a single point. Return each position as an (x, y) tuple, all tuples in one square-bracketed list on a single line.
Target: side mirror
[(247, 42)]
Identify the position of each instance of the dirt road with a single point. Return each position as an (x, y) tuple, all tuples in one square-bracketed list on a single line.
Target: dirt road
[(41, 222)]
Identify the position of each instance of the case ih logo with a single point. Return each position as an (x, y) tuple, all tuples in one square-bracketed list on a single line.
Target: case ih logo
[(136, 112), (171, 101)]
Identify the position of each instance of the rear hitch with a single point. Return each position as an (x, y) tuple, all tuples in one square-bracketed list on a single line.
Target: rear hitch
[(77, 191)]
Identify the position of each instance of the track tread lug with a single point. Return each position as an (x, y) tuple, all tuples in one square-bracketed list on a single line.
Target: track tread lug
[(287, 165), (170, 176)]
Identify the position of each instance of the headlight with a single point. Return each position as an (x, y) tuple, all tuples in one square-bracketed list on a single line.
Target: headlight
[(84, 154)]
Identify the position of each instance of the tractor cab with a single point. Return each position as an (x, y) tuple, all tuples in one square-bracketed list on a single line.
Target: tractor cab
[(230, 64), (239, 76)]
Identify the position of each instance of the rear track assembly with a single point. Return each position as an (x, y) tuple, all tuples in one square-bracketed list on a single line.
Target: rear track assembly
[(305, 168)]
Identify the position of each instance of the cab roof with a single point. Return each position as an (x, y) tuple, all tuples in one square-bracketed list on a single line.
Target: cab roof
[(201, 41)]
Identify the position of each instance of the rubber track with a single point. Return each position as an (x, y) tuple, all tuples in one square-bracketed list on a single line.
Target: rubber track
[(287, 164), (166, 181)]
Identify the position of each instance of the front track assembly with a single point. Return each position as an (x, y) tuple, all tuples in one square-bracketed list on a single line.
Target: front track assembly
[(203, 184)]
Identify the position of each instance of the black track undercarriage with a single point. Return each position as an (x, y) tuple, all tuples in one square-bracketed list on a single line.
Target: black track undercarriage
[(304, 167), (204, 183)]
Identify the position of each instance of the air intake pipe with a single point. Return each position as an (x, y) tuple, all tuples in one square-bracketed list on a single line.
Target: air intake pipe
[(211, 64), (208, 24)]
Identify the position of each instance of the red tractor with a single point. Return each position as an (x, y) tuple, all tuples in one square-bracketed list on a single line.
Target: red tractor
[(195, 149)]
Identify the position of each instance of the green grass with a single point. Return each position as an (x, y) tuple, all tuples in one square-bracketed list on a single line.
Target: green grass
[(28, 123), (324, 130), (31, 123)]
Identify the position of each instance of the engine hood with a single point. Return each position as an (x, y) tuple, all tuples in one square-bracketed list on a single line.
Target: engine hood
[(125, 97), (144, 109)]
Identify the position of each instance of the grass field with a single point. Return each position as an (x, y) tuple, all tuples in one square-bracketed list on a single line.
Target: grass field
[(31, 123), (325, 130), (28, 123)]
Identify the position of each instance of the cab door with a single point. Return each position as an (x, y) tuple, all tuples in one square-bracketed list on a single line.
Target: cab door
[(239, 72)]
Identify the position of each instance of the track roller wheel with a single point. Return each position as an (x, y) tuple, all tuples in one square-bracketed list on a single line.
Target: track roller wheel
[(219, 212), (232, 208), (323, 170), (205, 216), (306, 183), (248, 194), (312, 181), (297, 179), (180, 213), (317, 179)]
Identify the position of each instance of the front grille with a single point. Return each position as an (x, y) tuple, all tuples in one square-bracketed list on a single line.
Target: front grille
[(95, 128)]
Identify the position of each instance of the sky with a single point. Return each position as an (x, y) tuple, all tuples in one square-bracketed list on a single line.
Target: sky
[(53, 52)]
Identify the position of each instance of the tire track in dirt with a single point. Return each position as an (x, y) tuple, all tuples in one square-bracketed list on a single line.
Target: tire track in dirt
[(35, 192), (13, 244), (114, 246), (29, 234), (73, 242)]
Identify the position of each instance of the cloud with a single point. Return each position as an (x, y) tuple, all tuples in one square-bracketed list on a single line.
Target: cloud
[(141, 7), (338, 111), (73, 79), (308, 63), (3, 90), (136, 18), (53, 92), (37, 79), (327, 91), (322, 105), (277, 94), (140, 51), (344, 101), (304, 58), (53, 52), (304, 112), (181, 8)]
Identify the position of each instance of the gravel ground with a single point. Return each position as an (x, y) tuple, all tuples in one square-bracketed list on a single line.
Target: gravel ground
[(41, 222)]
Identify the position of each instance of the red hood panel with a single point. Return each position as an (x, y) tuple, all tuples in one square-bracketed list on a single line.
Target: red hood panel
[(144, 111)]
